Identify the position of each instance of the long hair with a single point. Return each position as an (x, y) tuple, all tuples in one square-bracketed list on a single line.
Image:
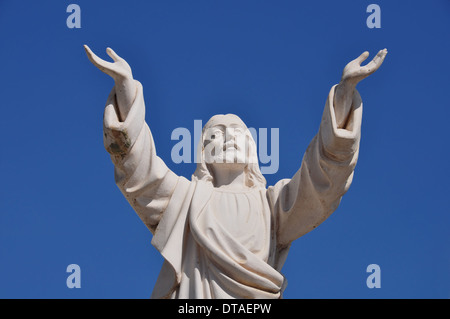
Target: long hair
[(253, 175)]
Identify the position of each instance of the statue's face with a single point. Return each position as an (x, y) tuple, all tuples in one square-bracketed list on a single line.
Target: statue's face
[(226, 142)]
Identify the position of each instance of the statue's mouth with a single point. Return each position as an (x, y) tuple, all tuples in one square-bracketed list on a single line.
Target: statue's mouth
[(230, 146)]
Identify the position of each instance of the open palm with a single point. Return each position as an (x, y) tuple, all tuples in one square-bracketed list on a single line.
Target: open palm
[(354, 72), (119, 70)]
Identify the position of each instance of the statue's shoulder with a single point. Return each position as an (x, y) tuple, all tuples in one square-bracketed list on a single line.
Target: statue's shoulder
[(273, 191)]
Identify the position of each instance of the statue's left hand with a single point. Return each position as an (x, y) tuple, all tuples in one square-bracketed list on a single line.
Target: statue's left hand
[(354, 72)]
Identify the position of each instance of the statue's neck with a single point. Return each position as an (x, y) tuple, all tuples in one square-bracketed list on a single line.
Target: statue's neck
[(229, 176)]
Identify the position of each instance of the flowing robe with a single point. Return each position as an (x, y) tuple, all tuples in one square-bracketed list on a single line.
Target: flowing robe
[(225, 244)]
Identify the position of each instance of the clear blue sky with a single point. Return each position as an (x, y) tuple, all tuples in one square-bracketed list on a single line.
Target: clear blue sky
[(270, 62)]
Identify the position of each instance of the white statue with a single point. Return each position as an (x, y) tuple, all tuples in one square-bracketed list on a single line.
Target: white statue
[(224, 234)]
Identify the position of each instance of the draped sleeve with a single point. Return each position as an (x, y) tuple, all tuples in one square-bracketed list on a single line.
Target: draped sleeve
[(143, 178), (302, 203)]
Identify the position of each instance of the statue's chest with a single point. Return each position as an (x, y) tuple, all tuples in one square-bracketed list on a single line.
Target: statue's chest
[(244, 216)]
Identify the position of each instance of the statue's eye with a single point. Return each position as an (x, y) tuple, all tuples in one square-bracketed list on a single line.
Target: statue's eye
[(215, 135)]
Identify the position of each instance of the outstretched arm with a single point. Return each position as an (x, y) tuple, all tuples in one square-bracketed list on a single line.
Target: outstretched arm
[(326, 172), (353, 73), (141, 175), (120, 71)]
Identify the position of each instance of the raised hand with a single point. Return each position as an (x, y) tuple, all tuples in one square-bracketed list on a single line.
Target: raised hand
[(354, 72), (120, 71)]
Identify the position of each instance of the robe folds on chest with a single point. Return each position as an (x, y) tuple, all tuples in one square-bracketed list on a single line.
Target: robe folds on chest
[(219, 243)]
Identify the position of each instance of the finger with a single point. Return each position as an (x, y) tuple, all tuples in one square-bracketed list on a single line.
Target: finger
[(373, 65), (98, 62), (92, 56), (362, 57), (89, 52), (113, 54), (380, 56)]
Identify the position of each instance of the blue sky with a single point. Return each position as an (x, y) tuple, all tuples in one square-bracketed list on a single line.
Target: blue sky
[(272, 63)]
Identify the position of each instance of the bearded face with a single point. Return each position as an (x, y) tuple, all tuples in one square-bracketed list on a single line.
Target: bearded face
[(226, 144), (227, 140)]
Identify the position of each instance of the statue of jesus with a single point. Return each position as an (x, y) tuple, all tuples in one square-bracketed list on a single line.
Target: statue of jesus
[(223, 234)]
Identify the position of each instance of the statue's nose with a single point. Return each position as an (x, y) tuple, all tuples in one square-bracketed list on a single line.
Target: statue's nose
[(231, 134)]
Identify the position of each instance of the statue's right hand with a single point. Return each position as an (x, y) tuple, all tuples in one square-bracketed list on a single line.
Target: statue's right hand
[(120, 70)]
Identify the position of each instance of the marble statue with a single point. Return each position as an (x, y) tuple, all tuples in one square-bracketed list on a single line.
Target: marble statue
[(223, 234)]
